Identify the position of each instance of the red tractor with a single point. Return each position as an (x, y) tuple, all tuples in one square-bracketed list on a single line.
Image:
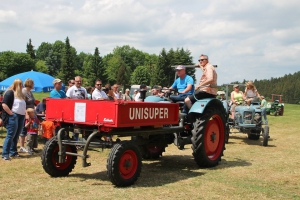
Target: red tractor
[(151, 125)]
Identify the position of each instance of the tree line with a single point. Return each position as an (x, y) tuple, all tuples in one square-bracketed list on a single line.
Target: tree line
[(125, 65)]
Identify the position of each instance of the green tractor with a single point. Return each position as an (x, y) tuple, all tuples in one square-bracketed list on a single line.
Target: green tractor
[(276, 107)]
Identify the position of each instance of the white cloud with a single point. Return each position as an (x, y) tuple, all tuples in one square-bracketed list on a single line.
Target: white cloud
[(247, 39)]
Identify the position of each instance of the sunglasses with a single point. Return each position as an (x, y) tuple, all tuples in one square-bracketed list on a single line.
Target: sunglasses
[(72, 83), (98, 84), (201, 60)]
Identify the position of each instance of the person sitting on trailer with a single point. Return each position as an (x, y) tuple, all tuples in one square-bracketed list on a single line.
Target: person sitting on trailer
[(157, 91), (138, 96), (98, 94), (77, 91), (57, 92)]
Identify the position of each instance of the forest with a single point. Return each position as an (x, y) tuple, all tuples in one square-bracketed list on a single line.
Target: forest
[(125, 65)]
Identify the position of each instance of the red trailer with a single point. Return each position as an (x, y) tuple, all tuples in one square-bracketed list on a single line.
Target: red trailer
[(152, 126)]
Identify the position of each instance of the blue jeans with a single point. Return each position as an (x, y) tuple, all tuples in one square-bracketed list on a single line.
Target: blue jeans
[(264, 114), (181, 97), (14, 127)]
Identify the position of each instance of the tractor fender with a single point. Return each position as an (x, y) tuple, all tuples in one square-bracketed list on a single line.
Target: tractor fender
[(200, 105)]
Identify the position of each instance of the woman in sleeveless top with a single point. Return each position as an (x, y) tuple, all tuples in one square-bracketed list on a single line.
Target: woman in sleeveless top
[(236, 99), (250, 92)]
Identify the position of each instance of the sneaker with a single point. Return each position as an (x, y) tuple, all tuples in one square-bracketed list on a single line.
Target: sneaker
[(6, 158), (23, 150), (33, 150), (16, 156)]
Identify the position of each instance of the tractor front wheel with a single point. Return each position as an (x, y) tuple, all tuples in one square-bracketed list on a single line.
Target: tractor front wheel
[(50, 159), (124, 164), (208, 139), (266, 136)]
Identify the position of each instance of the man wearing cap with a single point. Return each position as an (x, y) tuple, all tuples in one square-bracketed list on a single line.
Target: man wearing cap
[(184, 84), (57, 92), (207, 87), (98, 94), (263, 106)]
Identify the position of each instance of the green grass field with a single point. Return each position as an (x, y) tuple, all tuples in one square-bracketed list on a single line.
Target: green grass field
[(247, 171)]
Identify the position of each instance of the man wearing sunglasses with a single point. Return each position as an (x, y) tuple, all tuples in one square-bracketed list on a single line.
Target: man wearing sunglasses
[(98, 94), (76, 91), (207, 87)]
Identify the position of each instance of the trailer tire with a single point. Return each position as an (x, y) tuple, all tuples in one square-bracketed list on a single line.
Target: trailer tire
[(208, 137), (266, 136), (124, 164), (50, 159)]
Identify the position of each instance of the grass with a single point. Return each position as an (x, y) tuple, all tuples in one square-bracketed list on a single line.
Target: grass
[(40, 95), (247, 171)]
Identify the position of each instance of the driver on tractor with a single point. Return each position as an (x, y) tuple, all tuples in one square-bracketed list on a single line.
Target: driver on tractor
[(185, 85), (207, 87)]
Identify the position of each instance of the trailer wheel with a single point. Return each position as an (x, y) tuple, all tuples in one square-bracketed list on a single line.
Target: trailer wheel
[(50, 159), (152, 151), (266, 136), (124, 164), (208, 139)]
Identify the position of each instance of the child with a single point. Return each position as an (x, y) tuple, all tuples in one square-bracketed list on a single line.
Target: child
[(32, 125), (48, 130)]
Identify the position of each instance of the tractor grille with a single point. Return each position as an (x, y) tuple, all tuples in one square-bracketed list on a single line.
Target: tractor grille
[(247, 117)]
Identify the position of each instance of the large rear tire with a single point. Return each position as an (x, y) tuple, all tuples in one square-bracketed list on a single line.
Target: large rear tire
[(50, 159), (208, 139), (124, 164)]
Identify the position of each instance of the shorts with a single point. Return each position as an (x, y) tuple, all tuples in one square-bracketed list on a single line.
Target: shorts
[(200, 95), (24, 132), (233, 107)]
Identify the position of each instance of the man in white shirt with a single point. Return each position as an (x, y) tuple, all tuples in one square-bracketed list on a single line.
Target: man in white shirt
[(76, 91), (98, 94)]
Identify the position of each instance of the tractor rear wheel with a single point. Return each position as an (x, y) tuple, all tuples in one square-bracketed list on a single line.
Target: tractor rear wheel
[(50, 159), (124, 164), (208, 137), (266, 136), (282, 110)]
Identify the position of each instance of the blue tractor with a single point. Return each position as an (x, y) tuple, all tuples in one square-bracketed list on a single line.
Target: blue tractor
[(247, 119)]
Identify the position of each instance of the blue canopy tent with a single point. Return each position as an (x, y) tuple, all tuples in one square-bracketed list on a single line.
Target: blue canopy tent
[(42, 82)]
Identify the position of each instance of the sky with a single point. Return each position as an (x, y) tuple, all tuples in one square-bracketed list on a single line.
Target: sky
[(247, 39)]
